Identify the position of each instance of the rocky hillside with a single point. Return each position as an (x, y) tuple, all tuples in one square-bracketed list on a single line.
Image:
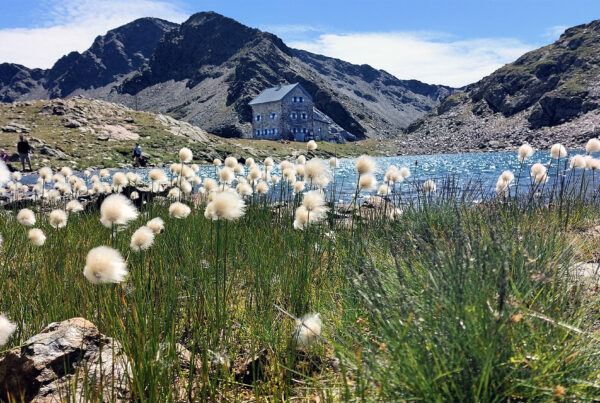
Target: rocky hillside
[(81, 133), (112, 56), (548, 95), (206, 70)]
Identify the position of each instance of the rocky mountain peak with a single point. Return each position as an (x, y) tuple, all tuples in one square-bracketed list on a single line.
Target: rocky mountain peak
[(546, 95), (206, 70)]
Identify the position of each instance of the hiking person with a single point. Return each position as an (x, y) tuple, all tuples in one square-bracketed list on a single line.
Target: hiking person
[(137, 155), (23, 148)]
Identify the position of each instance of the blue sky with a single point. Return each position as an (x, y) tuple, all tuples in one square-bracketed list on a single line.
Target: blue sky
[(437, 41)]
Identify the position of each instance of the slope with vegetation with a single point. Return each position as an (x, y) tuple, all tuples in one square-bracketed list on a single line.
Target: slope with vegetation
[(458, 296), (82, 133)]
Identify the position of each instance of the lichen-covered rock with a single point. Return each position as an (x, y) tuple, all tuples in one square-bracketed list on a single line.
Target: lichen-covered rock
[(68, 360)]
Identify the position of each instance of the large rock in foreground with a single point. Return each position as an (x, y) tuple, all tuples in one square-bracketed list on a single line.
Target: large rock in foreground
[(67, 361)]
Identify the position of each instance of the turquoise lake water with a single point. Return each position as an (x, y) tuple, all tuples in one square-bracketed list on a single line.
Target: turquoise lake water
[(483, 168)]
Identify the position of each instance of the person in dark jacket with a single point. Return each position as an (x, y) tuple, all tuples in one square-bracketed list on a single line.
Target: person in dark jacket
[(23, 148), (137, 155)]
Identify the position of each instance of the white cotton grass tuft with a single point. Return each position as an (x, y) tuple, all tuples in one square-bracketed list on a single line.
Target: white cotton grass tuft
[(58, 178), (289, 175), (179, 210), (308, 329), (593, 164), (134, 195), (185, 186), (66, 171), (249, 162), (558, 151), (132, 177), (269, 163), (262, 188), (157, 225), (45, 173), (186, 155), (367, 182), (119, 180), (74, 206), (117, 209), (507, 176), (392, 175), (301, 160), (26, 217), (311, 145), (36, 236), (312, 210), (231, 162), (429, 186), (578, 162), (217, 162), (104, 265), (225, 205), (104, 173), (525, 151), (298, 187), (365, 165), (537, 169), (57, 218), (300, 171), (7, 328), (404, 172), (314, 201), (17, 176), (334, 163), (210, 185), (53, 195), (244, 189), (275, 179), (157, 175), (592, 146), (383, 190), (4, 173), (502, 187), (316, 172), (174, 194), (142, 239), (539, 173), (254, 173), (226, 175)]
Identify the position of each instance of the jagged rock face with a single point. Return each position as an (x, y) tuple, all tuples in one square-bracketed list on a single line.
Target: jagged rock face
[(61, 361), (548, 95), (216, 66), (206, 70), (17, 81), (119, 52)]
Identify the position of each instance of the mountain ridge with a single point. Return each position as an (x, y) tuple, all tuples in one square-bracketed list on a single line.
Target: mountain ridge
[(548, 95), (208, 68)]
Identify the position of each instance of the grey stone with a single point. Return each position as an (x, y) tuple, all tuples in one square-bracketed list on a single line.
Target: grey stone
[(65, 358)]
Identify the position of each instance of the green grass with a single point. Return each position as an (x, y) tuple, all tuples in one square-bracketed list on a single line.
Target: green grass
[(451, 302)]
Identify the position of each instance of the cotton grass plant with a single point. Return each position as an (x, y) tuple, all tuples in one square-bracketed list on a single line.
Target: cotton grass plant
[(474, 296)]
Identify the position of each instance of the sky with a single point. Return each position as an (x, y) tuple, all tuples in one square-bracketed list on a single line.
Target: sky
[(451, 42)]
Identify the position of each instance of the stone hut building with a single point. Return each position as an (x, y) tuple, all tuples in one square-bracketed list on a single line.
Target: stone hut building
[(287, 112)]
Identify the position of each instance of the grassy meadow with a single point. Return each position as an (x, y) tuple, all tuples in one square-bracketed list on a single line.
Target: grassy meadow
[(451, 295)]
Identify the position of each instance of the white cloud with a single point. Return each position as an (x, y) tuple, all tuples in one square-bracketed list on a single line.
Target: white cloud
[(70, 25), (553, 33), (426, 56)]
